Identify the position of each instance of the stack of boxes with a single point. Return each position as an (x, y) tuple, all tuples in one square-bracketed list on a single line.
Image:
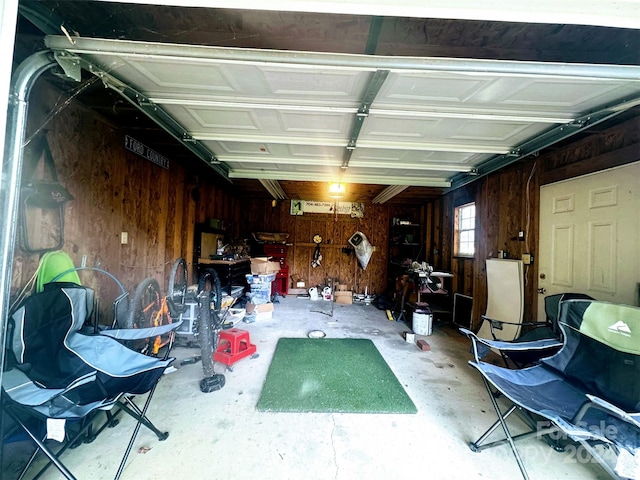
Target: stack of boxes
[(278, 252), (263, 273)]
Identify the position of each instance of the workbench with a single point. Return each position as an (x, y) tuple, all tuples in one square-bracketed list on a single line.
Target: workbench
[(231, 272)]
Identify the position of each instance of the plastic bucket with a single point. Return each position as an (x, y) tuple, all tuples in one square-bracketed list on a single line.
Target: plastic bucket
[(422, 323)]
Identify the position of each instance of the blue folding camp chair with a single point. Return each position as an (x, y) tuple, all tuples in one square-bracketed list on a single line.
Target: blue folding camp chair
[(58, 373), (589, 391)]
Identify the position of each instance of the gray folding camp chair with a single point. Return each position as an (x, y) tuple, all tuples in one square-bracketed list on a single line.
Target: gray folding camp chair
[(589, 391), (543, 339), (57, 373)]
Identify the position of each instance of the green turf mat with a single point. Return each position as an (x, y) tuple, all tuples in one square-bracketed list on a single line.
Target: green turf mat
[(331, 375)]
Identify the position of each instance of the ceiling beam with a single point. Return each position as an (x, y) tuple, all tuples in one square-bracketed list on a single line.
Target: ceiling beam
[(388, 193), (274, 188), (375, 27)]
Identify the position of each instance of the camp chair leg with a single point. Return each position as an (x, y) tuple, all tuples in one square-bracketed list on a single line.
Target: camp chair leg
[(132, 409), (594, 453), (478, 444), (503, 424), (71, 443), (41, 446), (141, 417), (28, 464)]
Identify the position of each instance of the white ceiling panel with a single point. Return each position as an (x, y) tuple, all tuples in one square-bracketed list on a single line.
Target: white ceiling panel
[(171, 78), (409, 155), (515, 94), (370, 119), (267, 123), (274, 152)]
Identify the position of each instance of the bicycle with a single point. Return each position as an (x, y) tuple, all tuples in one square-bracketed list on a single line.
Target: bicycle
[(149, 308), (209, 325)]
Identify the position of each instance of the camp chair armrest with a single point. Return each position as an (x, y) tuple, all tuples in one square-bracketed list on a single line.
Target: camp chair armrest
[(534, 324), (497, 324), (597, 402), (140, 333), (474, 339), (493, 320), (506, 347)]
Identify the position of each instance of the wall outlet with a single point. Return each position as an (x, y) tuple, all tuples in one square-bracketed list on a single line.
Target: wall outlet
[(527, 258), (521, 235), (124, 238)]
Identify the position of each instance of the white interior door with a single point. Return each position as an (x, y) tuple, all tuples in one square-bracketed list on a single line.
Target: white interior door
[(590, 236)]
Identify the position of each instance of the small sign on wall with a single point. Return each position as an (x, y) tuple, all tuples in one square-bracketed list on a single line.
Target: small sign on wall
[(141, 149), (300, 207)]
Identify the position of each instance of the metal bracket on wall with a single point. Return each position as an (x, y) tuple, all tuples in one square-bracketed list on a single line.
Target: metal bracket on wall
[(375, 84)]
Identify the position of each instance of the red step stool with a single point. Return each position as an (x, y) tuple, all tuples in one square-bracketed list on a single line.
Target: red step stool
[(233, 345)]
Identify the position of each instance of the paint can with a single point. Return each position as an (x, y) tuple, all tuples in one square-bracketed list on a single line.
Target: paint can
[(422, 322)]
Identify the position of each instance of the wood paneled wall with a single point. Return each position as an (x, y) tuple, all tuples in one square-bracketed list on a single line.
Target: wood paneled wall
[(117, 191), (508, 201), (335, 231)]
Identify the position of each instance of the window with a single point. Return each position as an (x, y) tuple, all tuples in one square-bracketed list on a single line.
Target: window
[(465, 228)]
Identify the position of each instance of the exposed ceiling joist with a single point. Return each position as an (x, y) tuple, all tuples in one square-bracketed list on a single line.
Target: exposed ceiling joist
[(274, 188), (388, 193)]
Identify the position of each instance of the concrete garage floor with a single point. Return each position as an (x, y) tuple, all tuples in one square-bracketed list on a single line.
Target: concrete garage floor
[(220, 435)]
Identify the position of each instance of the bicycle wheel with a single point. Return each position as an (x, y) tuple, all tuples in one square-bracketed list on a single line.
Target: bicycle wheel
[(209, 281), (178, 286), (145, 305), (209, 302)]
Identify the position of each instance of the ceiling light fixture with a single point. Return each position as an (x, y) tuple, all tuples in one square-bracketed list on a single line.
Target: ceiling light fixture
[(274, 188), (389, 192), (337, 190)]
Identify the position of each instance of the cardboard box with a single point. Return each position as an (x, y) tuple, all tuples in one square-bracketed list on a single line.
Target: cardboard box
[(341, 287), (344, 297), (264, 316), (297, 281), (262, 266), (262, 311), (260, 308)]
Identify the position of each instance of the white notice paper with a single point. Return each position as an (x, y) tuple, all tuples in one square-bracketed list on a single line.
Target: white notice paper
[(55, 429)]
